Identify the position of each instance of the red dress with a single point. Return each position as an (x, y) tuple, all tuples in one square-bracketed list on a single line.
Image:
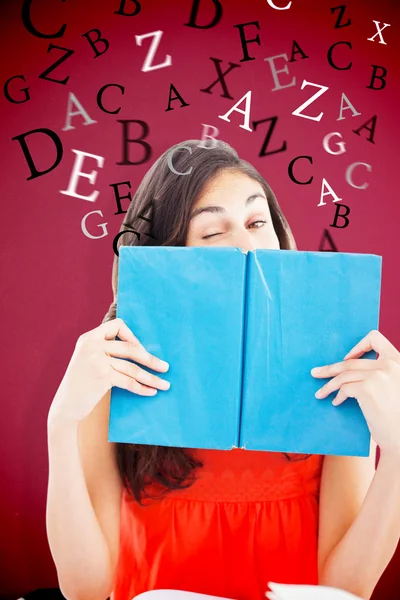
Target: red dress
[(250, 518)]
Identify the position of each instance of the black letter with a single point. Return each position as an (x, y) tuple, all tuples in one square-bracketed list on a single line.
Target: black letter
[(54, 65), (298, 51), (268, 136), (339, 23), (330, 61), (7, 95), (370, 129), (120, 11), (139, 140), (177, 97), (221, 78), (327, 236), (115, 240), (118, 198), (375, 76), (290, 169), (34, 171), (26, 19), (100, 95), (193, 15), (338, 215), (244, 41), (96, 41)]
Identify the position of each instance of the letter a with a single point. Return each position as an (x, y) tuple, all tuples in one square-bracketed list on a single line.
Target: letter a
[(72, 99), (330, 192), (245, 112)]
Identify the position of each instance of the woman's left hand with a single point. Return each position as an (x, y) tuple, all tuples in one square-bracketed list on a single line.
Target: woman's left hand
[(374, 383)]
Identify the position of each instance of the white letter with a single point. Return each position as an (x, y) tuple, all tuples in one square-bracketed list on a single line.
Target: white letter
[(169, 160), (272, 5), (330, 193), (81, 111), (102, 225), (340, 144), (76, 173), (349, 172), (379, 32), (245, 112), (349, 105), (147, 66), (275, 72), (205, 135), (310, 100)]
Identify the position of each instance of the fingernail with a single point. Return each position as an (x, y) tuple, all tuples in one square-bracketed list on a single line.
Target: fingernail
[(316, 370), (335, 402), (165, 365), (166, 384), (318, 394)]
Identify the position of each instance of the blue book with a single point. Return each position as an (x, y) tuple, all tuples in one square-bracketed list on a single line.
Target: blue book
[(241, 332)]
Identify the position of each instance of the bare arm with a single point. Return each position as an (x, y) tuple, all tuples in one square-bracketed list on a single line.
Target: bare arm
[(84, 487), (83, 502), (363, 551)]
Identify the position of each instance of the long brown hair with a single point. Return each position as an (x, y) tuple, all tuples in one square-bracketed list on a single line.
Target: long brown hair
[(159, 214)]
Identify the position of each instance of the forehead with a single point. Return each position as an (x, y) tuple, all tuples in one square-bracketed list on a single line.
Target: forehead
[(228, 183)]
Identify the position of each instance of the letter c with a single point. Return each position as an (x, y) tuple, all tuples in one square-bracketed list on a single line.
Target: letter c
[(349, 172), (290, 169), (272, 5), (169, 160), (27, 21)]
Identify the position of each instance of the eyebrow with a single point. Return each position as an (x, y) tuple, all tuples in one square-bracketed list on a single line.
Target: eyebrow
[(221, 209)]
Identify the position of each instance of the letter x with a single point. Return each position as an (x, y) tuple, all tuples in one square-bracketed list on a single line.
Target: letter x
[(379, 32)]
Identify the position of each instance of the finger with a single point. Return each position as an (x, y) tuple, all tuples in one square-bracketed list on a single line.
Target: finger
[(128, 383), (348, 390), (374, 340), (136, 352), (335, 383), (142, 376), (117, 327), (359, 364)]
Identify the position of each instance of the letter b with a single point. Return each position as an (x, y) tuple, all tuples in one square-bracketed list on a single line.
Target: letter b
[(338, 215)]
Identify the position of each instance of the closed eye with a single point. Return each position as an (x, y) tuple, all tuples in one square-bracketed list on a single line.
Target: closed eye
[(206, 237)]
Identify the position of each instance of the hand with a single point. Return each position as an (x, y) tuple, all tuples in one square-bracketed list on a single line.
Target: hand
[(374, 383), (95, 367)]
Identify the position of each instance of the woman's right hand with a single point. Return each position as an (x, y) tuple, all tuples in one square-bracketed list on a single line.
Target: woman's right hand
[(95, 367)]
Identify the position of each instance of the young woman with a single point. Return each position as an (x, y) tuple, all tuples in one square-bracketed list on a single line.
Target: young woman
[(123, 519)]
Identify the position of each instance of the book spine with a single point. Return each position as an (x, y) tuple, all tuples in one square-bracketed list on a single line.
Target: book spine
[(246, 293)]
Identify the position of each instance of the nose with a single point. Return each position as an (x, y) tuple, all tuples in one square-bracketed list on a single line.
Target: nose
[(244, 240)]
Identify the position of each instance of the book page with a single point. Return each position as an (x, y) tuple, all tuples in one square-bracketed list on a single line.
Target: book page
[(281, 591), (176, 595)]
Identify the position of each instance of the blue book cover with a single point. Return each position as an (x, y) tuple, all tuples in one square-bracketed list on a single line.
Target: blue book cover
[(241, 332), (305, 309), (185, 305)]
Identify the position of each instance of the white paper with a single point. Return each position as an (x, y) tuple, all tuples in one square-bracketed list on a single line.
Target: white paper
[(284, 591), (176, 595), (279, 591)]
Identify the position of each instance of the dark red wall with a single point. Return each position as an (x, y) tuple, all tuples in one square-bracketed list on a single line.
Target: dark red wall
[(56, 282)]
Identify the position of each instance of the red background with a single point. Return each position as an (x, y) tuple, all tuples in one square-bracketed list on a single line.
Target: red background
[(56, 281)]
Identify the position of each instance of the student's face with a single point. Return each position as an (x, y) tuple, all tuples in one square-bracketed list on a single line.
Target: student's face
[(232, 210)]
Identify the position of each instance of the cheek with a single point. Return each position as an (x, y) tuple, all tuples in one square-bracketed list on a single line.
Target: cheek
[(270, 239), (189, 239), (276, 242)]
